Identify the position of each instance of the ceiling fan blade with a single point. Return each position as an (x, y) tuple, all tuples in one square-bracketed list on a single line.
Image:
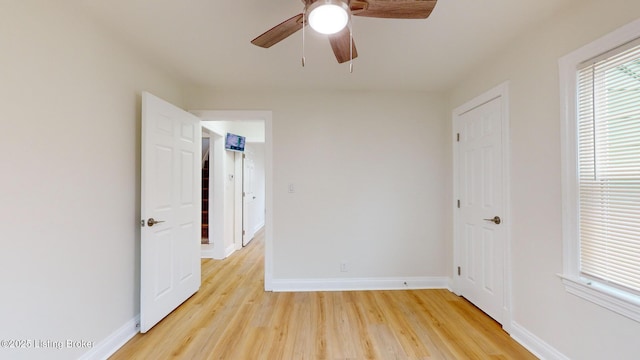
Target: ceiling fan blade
[(393, 9), (340, 43), (279, 32)]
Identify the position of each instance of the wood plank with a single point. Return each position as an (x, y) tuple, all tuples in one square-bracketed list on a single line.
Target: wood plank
[(232, 317)]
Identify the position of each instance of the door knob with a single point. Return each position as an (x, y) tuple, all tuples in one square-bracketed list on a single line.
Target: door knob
[(496, 220), (153, 221)]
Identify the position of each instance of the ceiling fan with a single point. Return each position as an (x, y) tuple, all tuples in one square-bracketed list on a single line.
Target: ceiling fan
[(336, 27)]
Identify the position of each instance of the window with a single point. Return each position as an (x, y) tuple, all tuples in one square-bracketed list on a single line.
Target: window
[(609, 168), (601, 171)]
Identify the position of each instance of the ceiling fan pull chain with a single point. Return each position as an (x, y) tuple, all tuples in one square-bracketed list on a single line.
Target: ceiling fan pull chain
[(304, 17), (350, 47)]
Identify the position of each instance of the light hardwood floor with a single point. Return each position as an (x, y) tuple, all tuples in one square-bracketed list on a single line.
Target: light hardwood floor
[(233, 318)]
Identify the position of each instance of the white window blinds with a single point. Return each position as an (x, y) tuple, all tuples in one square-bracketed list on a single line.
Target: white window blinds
[(609, 167)]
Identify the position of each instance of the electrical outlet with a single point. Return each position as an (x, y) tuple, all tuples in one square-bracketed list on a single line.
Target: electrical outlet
[(344, 266)]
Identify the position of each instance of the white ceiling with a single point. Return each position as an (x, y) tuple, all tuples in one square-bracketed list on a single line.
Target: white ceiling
[(207, 42)]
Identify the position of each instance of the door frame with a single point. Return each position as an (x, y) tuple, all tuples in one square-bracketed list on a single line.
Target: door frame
[(266, 116), (501, 91)]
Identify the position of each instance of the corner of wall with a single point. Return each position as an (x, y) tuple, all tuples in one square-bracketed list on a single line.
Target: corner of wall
[(537, 346), (115, 341)]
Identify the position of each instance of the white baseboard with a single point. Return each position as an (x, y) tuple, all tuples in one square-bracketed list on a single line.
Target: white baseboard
[(206, 251), (537, 346), (229, 250), (258, 227), (113, 342), (405, 283)]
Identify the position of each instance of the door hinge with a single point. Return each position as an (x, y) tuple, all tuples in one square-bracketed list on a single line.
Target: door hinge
[(243, 194), (458, 203), (243, 232), (458, 270), (458, 137)]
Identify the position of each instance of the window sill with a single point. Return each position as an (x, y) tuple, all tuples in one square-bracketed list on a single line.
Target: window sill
[(608, 297)]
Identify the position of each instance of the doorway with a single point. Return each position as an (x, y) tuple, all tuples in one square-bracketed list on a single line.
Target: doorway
[(170, 204), (226, 188), (481, 214), (253, 191)]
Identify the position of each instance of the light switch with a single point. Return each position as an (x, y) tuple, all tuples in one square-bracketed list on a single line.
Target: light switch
[(292, 189)]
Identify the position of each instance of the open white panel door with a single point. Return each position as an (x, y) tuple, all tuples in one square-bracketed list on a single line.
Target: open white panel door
[(170, 209)]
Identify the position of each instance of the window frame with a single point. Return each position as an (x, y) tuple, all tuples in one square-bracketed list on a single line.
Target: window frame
[(613, 298)]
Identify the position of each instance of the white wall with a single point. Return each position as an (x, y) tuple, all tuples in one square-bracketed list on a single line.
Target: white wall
[(252, 130), (574, 327), (371, 173), (221, 227), (69, 189), (229, 202)]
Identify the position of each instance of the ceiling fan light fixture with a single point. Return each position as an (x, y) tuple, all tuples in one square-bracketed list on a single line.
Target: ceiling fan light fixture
[(328, 16)]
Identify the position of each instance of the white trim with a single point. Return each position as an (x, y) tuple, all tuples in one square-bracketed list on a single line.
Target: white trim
[(537, 346), (113, 342), (498, 91), (593, 291), (258, 227), (217, 184), (207, 252), (229, 250), (268, 225), (359, 284), (608, 297), (502, 91), (238, 200), (506, 185)]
